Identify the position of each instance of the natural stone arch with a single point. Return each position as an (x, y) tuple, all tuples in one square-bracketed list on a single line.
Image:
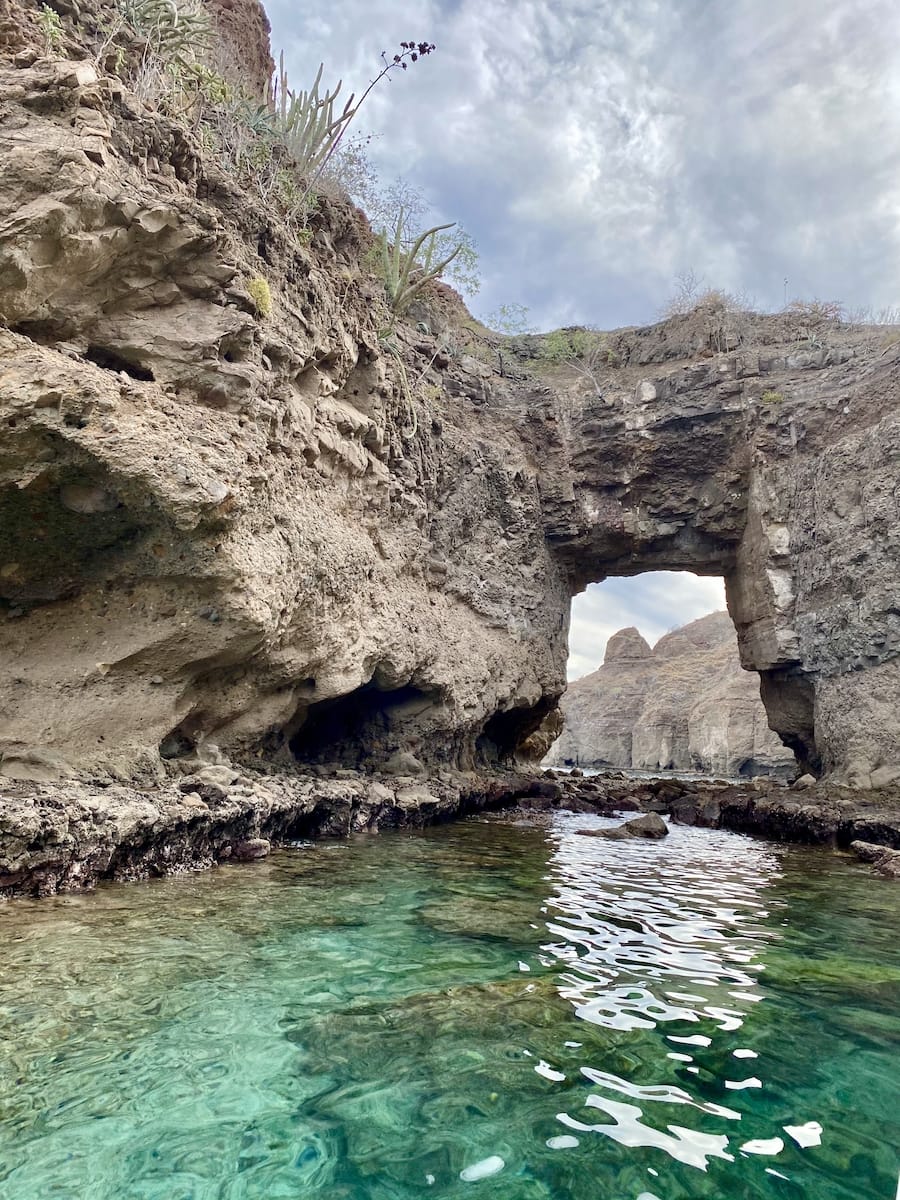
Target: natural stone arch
[(218, 522), (750, 465)]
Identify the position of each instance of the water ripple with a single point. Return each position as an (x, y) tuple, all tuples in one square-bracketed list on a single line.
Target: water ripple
[(489, 1009)]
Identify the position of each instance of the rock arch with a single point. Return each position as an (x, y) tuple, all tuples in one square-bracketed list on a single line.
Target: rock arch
[(200, 543), (774, 469)]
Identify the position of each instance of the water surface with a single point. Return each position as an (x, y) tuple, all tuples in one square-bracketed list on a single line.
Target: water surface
[(488, 1009)]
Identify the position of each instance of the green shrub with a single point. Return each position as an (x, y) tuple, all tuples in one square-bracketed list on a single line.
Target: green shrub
[(261, 295), (509, 319), (51, 27), (306, 123), (772, 397), (584, 351)]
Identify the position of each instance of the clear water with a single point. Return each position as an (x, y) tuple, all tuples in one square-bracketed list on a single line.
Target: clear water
[(488, 1009)]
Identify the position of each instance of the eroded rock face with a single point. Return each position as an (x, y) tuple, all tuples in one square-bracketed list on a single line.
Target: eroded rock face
[(685, 705), (214, 522), (242, 51), (771, 466), (258, 529)]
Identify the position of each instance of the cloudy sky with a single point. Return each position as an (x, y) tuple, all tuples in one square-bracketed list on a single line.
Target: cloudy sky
[(654, 602), (597, 149)]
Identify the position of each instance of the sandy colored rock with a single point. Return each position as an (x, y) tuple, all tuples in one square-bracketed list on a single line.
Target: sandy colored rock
[(686, 704), (222, 525), (803, 782)]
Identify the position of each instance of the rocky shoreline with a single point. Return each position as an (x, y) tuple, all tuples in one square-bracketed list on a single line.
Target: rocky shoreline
[(820, 813), (57, 837)]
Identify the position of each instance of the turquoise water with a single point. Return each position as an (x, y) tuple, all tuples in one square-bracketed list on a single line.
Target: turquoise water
[(489, 1009)]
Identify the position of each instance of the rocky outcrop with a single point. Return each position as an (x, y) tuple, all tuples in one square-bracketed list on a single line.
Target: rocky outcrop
[(271, 527), (217, 521), (67, 838), (826, 815), (685, 705), (831, 815)]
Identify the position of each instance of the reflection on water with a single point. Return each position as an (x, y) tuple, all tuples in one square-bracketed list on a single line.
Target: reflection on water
[(490, 1008)]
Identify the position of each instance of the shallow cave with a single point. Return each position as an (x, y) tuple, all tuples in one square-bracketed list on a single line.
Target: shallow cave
[(366, 725), (59, 533), (789, 697), (505, 733), (110, 360)]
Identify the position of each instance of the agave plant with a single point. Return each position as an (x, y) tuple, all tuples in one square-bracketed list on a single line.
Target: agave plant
[(406, 268)]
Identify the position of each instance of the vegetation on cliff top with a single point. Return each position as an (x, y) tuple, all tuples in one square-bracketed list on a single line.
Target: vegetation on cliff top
[(291, 147)]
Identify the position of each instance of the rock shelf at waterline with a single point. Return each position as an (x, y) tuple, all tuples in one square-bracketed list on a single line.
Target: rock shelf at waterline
[(73, 836)]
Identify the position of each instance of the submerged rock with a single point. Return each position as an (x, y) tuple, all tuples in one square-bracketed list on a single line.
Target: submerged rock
[(251, 849)]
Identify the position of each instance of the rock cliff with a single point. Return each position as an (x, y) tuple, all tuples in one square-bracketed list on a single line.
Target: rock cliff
[(686, 704), (273, 529)]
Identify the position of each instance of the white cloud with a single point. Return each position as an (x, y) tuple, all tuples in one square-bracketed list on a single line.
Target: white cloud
[(596, 149), (654, 602)]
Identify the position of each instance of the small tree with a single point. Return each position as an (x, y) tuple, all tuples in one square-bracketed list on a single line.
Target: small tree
[(585, 351)]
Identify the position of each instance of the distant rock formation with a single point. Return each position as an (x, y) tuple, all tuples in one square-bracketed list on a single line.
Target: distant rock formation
[(686, 704)]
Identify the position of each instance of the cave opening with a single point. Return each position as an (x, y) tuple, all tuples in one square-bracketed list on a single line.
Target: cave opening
[(111, 360), (656, 683), (504, 736), (366, 726)]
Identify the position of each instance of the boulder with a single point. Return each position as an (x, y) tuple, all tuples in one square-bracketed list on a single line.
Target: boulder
[(803, 782), (884, 861), (251, 849), (650, 825)]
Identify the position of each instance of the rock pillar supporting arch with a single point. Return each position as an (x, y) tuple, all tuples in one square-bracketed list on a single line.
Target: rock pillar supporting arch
[(778, 470)]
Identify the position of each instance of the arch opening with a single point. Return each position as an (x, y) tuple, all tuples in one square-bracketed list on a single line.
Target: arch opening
[(656, 683)]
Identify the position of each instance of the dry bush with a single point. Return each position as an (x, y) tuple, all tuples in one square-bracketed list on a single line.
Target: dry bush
[(867, 315), (710, 318)]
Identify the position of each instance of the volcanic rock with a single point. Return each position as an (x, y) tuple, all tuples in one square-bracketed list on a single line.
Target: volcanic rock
[(648, 826)]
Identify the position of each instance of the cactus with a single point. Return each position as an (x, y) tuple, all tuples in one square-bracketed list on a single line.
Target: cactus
[(175, 31), (306, 122)]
